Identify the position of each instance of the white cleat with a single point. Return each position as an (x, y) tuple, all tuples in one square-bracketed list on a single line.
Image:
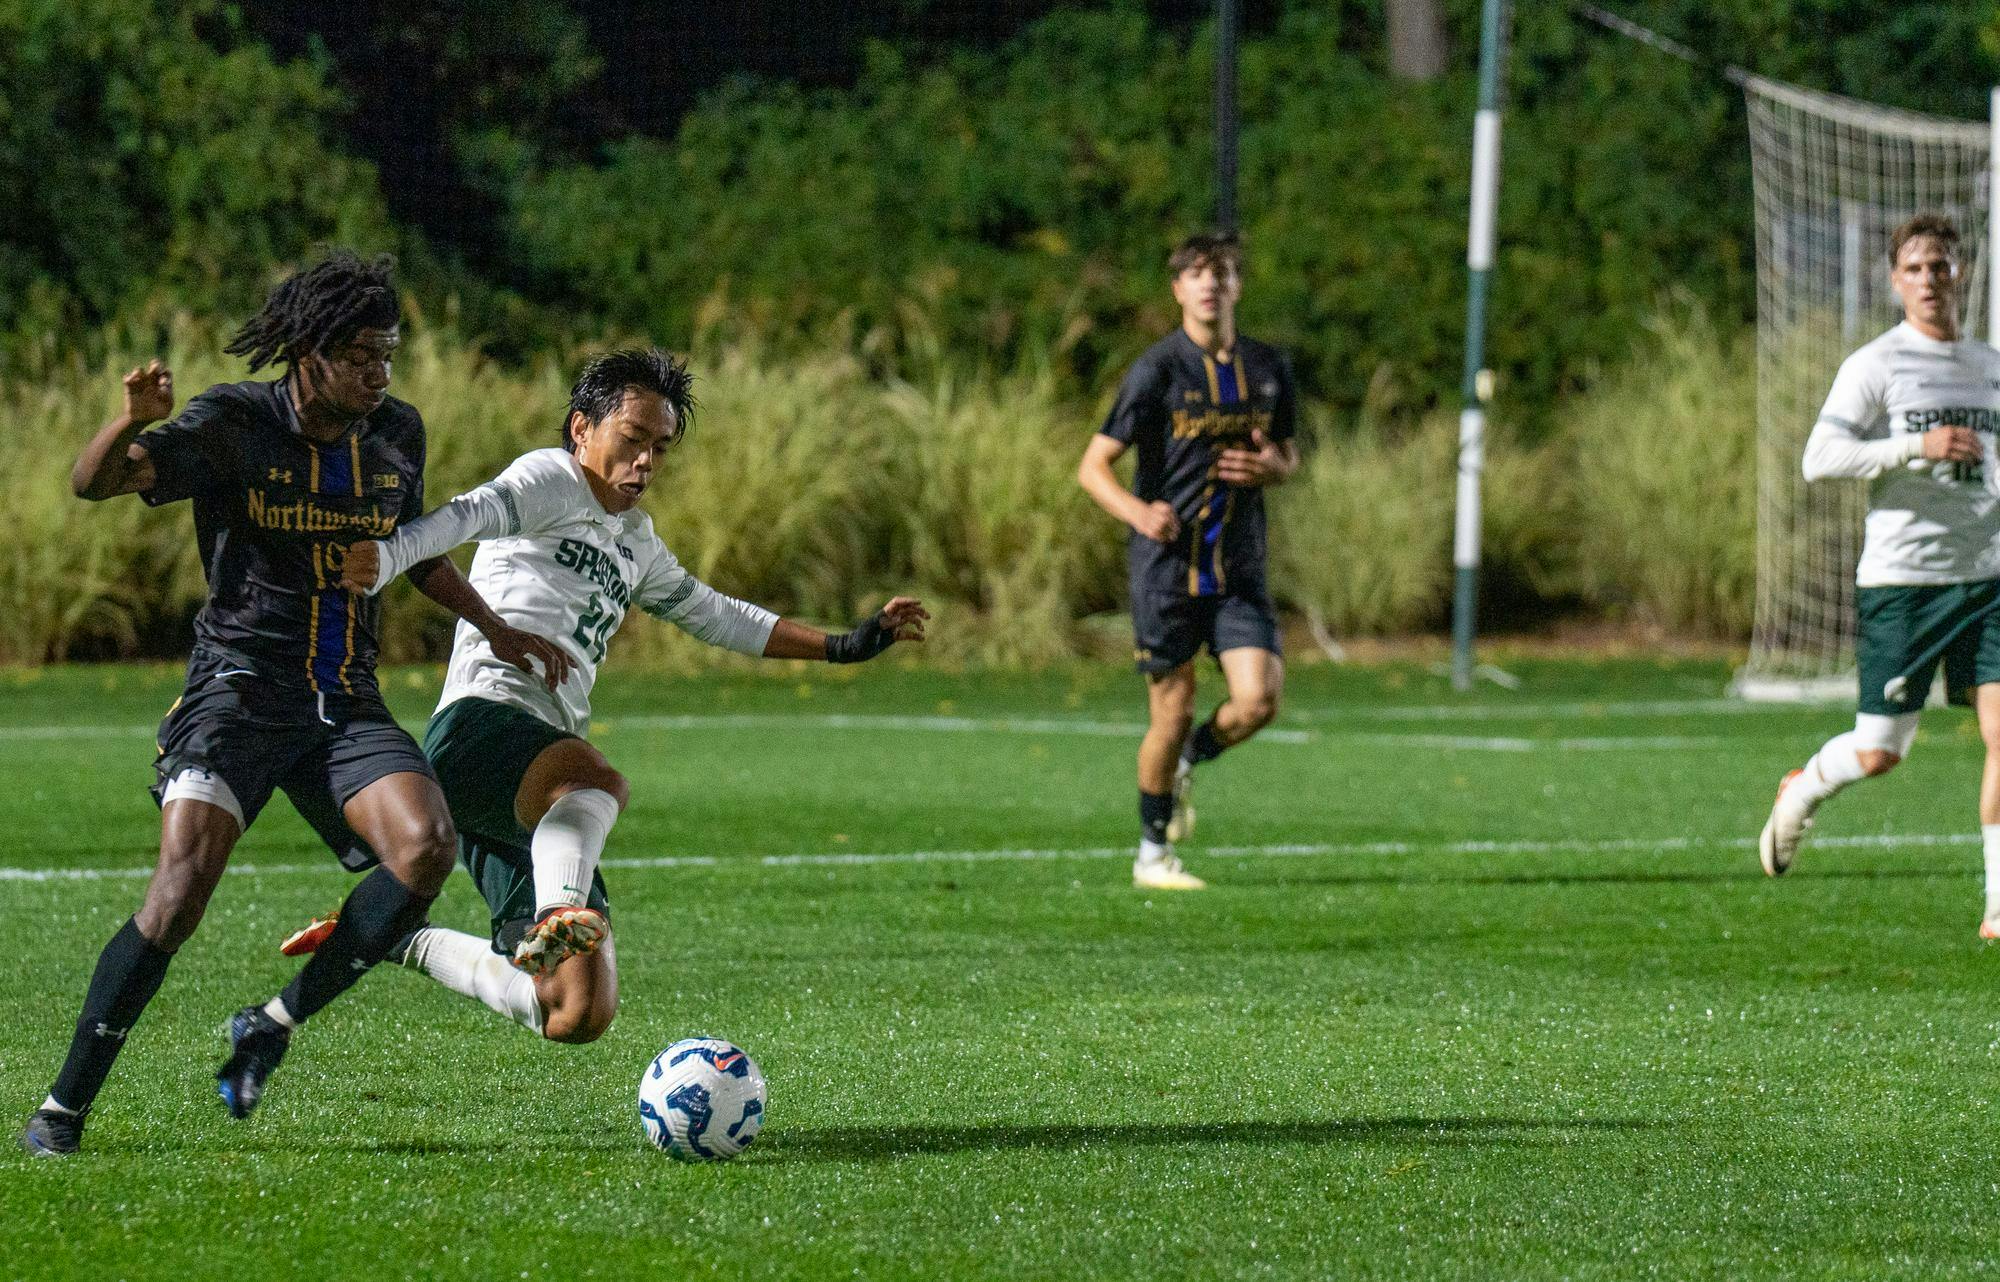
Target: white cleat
[(1164, 874), (1990, 928), (1783, 831), (559, 934), (1181, 826)]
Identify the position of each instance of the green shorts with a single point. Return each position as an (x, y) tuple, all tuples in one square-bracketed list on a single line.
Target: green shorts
[(481, 750), (1907, 631)]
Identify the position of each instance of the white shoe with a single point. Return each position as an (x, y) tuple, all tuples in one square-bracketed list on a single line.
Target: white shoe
[(1783, 831), (1164, 874), (1181, 826)]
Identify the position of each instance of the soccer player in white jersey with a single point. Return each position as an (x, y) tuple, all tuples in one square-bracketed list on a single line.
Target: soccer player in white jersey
[(563, 543), (1914, 413)]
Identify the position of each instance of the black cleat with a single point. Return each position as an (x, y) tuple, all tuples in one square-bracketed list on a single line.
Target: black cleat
[(52, 1133), (257, 1045)]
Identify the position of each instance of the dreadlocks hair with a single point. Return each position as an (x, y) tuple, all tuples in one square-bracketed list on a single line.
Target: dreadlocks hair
[(320, 307), (601, 388)]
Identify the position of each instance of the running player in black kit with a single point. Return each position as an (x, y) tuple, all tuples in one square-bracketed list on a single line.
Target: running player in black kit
[(281, 688), (1212, 415)]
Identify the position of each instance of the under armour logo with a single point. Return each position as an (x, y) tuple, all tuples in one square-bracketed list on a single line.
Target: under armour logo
[(106, 1030), (358, 964), (283, 475)]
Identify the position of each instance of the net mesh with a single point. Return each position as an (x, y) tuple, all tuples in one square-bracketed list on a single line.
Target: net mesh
[(1833, 177)]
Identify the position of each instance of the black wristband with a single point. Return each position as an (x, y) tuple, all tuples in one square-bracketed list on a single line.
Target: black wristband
[(869, 638)]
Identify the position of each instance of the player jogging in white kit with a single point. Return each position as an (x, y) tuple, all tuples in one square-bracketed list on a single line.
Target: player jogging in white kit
[(563, 543), (1914, 413)]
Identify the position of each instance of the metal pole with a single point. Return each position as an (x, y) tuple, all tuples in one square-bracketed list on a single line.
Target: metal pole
[(1225, 115), (1478, 380), (1993, 219)]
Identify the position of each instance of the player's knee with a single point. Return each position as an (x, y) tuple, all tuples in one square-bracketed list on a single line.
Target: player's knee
[(606, 780), (577, 1025), (178, 894), (1175, 722), (1257, 710), (1877, 761), (422, 848)]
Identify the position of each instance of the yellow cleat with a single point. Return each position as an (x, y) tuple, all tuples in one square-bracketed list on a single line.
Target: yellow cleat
[(559, 934), (1165, 874)]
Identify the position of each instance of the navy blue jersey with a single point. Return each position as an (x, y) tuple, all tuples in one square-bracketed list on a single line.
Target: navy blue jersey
[(1178, 409), (274, 512)]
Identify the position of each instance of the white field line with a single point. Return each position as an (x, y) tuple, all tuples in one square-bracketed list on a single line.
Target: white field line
[(1529, 711), (836, 859), (871, 722)]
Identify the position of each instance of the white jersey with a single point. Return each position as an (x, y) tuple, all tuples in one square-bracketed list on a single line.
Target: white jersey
[(1929, 522), (553, 562)]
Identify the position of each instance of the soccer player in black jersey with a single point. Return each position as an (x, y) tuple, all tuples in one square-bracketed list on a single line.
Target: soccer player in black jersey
[(281, 689), (1212, 416)]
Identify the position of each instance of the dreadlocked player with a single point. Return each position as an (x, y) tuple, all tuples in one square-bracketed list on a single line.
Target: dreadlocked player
[(281, 689)]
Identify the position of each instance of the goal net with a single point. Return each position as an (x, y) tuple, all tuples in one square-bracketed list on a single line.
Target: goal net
[(1833, 176)]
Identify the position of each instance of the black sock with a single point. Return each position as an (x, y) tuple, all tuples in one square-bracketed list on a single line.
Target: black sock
[(1155, 808), (1202, 745), (128, 973), (378, 913)]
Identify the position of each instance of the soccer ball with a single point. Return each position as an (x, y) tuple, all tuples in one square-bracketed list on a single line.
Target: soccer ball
[(702, 1100)]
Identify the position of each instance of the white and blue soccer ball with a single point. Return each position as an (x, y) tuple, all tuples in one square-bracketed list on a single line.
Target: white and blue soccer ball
[(702, 1100)]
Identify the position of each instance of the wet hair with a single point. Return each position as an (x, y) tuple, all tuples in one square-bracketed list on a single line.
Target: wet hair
[(1936, 226), (601, 388), (1214, 248), (319, 308)]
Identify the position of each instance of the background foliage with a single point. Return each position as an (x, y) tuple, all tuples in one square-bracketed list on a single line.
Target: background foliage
[(914, 267)]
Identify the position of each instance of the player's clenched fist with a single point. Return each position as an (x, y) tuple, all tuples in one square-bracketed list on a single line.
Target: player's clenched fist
[(149, 393), (361, 567), (1158, 522), (1953, 445)]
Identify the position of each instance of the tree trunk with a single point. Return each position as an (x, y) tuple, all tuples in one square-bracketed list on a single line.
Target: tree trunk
[(1416, 39)]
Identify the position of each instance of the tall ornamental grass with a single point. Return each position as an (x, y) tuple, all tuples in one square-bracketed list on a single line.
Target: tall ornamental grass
[(819, 486), (1662, 471)]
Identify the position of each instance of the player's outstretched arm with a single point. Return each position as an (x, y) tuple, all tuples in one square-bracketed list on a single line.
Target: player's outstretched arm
[(112, 463), (478, 514), (1156, 520), (902, 619), (441, 581)]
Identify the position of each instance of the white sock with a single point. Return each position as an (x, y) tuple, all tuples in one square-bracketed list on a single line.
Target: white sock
[(1833, 767), (566, 846), (50, 1105), (1152, 852), (467, 964), (275, 1008), (1990, 835)]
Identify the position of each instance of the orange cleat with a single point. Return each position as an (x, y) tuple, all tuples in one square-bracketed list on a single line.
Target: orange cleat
[(310, 937)]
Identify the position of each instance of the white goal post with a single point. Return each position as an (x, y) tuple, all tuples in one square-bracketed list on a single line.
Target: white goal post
[(1833, 176)]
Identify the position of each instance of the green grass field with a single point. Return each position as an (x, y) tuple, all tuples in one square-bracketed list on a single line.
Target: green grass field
[(1485, 987)]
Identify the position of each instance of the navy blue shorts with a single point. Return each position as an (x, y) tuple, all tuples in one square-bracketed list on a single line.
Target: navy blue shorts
[(1170, 628), (258, 736)]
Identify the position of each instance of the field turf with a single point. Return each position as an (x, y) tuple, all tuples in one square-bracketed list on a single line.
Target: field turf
[(1487, 987)]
